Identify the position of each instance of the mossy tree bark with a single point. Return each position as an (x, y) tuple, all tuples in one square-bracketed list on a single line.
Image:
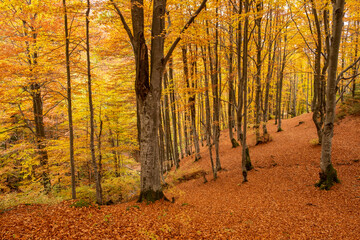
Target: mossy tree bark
[(328, 175)]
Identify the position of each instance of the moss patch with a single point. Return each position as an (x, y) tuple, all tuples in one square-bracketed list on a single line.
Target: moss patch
[(248, 164), (151, 196), (234, 143), (327, 178)]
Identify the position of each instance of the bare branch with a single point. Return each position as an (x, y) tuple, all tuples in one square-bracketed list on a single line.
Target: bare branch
[(126, 27), (187, 25)]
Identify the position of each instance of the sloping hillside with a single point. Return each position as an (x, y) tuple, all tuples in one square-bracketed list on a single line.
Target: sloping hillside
[(279, 201)]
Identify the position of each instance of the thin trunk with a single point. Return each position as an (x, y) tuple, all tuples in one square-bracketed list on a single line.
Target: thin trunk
[(231, 113), (246, 162), (99, 199), (71, 128), (215, 89), (281, 78), (173, 111), (240, 85), (258, 95), (271, 60), (208, 117)]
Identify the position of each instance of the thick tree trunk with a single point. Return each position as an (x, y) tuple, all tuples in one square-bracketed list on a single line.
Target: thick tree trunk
[(148, 89), (71, 128), (328, 174)]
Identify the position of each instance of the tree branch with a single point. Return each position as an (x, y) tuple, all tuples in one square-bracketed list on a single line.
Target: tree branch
[(187, 25), (126, 27), (345, 70)]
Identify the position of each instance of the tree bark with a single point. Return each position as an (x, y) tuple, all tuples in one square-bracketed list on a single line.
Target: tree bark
[(328, 174), (173, 111), (71, 128), (99, 199)]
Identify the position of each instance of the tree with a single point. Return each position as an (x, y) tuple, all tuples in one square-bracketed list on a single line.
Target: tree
[(328, 175), (68, 77), (148, 88), (97, 172)]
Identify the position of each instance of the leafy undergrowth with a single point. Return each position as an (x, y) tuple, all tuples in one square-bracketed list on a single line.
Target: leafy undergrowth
[(279, 201)]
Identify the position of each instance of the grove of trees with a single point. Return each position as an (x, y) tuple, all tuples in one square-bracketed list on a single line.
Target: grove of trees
[(88, 89)]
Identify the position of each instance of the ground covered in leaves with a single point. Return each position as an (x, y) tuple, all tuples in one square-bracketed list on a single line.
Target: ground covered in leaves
[(279, 201)]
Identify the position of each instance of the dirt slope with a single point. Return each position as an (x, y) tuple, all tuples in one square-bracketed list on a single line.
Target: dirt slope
[(279, 201)]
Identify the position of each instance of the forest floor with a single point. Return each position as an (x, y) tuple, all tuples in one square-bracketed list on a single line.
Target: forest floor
[(279, 201)]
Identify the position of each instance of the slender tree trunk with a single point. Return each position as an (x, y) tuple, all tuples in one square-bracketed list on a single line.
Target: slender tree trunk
[(240, 85), (271, 60), (180, 136), (355, 57), (231, 115), (328, 174), (246, 162), (71, 128), (281, 78), (168, 139), (258, 73), (208, 117), (99, 199), (215, 89), (318, 104), (173, 111)]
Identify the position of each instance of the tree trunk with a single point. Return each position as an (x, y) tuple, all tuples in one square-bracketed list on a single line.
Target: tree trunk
[(328, 174), (99, 199), (258, 73), (281, 78), (231, 115), (208, 117), (246, 162), (173, 111), (240, 85), (271, 60), (71, 129), (148, 89), (215, 90)]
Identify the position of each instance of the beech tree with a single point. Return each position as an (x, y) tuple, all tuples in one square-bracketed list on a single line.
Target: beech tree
[(148, 86), (328, 175)]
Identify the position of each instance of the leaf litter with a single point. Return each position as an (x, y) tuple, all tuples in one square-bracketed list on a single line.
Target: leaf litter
[(279, 201)]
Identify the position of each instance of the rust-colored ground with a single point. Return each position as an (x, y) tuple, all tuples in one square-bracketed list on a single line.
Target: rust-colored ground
[(279, 201)]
